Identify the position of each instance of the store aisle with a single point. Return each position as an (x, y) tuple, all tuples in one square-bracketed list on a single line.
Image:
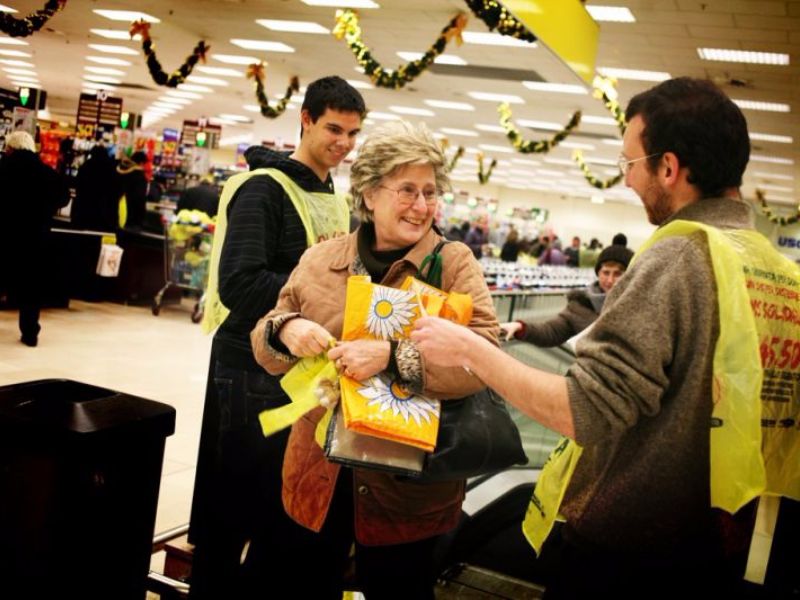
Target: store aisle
[(125, 348)]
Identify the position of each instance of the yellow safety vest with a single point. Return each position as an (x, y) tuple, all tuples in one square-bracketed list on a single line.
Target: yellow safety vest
[(755, 445), (324, 216)]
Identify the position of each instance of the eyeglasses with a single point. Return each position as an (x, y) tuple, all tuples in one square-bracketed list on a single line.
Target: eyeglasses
[(408, 194), (624, 164)]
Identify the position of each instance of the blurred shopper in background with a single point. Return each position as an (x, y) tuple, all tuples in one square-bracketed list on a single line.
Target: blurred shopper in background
[(510, 250), (97, 192), (203, 197), (134, 188), (573, 253)]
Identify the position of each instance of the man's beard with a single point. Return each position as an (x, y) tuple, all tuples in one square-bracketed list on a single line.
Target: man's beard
[(657, 204)]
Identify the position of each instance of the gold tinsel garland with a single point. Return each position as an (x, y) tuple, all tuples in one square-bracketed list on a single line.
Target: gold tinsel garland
[(32, 23), (605, 89), (156, 72), (767, 212), (527, 146), (347, 27), (498, 18), (600, 184), (483, 177), (256, 73)]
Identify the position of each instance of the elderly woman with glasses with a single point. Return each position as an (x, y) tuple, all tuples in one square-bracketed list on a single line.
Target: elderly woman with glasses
[(394, 523)]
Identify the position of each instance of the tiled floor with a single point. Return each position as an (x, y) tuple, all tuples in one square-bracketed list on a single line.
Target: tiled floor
[(124, 348)]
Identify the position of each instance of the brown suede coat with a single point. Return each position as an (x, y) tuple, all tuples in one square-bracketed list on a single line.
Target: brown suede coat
[(387, 509)]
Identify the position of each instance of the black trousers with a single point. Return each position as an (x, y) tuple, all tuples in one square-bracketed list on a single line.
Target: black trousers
[(25, 287)]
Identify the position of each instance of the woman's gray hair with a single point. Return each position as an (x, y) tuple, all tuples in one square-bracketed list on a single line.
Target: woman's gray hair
[(390, 147), (20, 140)]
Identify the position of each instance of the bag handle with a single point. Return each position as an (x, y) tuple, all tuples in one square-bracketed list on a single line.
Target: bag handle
[(434, 263)]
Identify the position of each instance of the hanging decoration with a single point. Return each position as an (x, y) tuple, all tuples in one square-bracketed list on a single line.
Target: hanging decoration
[(347, 27), (483, 177), (540, 146), (767, 212), (600, 184), (256, 73), (445, 143), (178, 76), (498, 18), (32, 23), (605, 89)]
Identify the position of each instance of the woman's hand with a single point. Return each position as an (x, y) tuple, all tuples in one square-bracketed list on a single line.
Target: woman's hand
[(510, 329), (304, 338), (361, 359)]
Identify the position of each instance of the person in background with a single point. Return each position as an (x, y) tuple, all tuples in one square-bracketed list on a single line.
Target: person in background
[(203, 197), (259, 239), (620, 240), (476, 238), (97, 192), (134, 188), (583, 306), (510, 250), (640, 397), (553, 255), (392, 523), (32, 192), (458, 233), (573, 253)]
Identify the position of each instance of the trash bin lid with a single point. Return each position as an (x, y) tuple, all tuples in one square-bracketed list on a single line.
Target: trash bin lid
[(63, 406)]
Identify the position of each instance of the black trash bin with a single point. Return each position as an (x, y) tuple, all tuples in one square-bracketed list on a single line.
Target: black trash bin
[(80, 468)]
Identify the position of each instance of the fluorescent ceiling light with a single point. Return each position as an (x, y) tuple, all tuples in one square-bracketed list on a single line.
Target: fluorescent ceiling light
[(442, 59), (593, 120), (771, 159), (613, 142), (25, 82), (109, 49), (91, 85), (489, 97), (558, 161), (343, 3), (101, 79), (743, 56), (546, 125), (182, 94), (360, 85), (18, 53), (251, 107), (600, 161), (171, 100), (634, 74), (18, 71), (7, 41), (292, 26), (126, 15), (494, 39), (525, 161), (769, 137), (235, 59), (115, 34), (461, 132), (168, 105), (225, 71), (773, 176), (597, 198), (550, 173), (775, 188), (382, 116), (188, 87), (230, 117), (617, 14), (765, 106), (560, 88), (207, 80), (776, 198), (8, 9), (492, 148), (449, 105), (104, 70), (15, 63), (577, 146), (263, 45), (410, 110), (108, 60), (490, 128), (161, 111)]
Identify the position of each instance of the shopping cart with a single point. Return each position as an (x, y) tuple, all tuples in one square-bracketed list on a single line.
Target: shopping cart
[(188, 239)]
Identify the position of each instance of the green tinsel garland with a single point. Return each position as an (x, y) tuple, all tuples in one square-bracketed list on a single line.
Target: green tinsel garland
[(33, 22), (498, 18), (454, 161), (767, 211), (540, 146), (256, 72), (347, 28), (600, 184), (484, 177), (605, 89), (160, 77)]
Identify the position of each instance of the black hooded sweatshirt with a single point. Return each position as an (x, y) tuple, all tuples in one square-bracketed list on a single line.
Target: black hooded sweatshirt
[(263, 243)]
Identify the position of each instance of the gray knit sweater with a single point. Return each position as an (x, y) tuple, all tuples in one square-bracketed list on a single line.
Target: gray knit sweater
[(640, 394), (583, 307)]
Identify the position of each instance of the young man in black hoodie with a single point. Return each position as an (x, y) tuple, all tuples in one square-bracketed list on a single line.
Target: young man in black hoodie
[(272, 215)]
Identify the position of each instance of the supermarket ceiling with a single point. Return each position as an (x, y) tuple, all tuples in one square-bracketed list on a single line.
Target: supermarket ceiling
[(70, 55)]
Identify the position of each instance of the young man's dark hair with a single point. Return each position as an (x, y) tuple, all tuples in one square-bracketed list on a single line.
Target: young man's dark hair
[(335, 93), (696, 121)]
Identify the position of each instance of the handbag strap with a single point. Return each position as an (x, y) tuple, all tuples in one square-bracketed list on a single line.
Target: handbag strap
[(434, 264)]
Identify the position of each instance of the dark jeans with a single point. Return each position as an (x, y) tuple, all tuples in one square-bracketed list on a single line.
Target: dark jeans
[(25, 291), (237, 495)]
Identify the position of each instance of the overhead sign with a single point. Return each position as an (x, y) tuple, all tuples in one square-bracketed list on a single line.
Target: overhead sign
[(201, 134), (97, 113), (565, 27)]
